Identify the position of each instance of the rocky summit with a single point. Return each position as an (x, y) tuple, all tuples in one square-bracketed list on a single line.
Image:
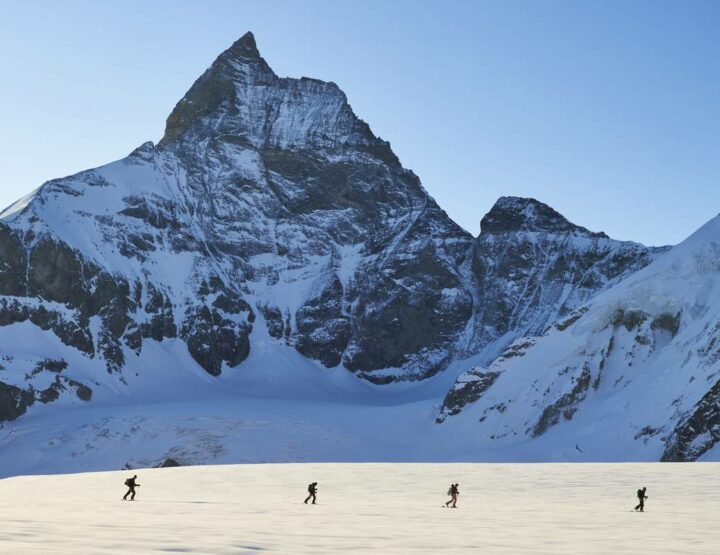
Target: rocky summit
[(270, 216), (268, 202)]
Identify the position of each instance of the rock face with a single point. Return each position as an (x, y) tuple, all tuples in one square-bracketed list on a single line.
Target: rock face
[(15, 401), (534, 267), (468, 388), (698, 432)]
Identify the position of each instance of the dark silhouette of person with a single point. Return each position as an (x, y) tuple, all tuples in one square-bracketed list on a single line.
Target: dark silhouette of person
[(312, 490), (641, 497), (131, 484), (453, 492)]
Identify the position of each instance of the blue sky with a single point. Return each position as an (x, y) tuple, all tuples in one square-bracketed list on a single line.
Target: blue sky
[(609, 110)]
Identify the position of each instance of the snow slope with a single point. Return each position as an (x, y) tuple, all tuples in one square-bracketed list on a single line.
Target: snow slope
[(375, 508)]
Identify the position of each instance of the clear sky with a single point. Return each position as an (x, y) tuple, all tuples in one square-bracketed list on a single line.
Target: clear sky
[(609, 110)]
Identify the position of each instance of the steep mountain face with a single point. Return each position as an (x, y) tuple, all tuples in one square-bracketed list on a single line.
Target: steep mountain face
[(267, 203), (635, 368), (533, 267), (269, 212)]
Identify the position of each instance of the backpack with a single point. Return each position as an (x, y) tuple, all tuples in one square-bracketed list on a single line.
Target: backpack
[(640, 494), (129, 482), (451, 491)]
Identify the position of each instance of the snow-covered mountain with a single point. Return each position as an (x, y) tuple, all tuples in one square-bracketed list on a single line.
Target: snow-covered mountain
[(532, 267), (635, 370), (266, 203), (268, 238)]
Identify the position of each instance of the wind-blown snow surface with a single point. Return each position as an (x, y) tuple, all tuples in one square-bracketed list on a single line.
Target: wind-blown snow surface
[(367, 508)]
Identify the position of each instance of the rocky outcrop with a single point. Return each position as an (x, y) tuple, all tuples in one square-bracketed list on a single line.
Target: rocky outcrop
[(467, 389), (14, 402), (323, 328), (578, 381), (13, 270), (698, 432)]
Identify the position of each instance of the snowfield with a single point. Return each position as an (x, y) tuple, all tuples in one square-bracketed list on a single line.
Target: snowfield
[(367, 508)]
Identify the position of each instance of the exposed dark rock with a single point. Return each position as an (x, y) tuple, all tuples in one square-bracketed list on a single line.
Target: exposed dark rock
[(574, 317), (13, 263), (83, 392), (50, 365), (13, 402), (630, 319), (698, 432), (667, 322), (62, 383), (274, 321), (512, 214), (323, 329), (56, 273), (213, 339), (469, 389), (566, 405)]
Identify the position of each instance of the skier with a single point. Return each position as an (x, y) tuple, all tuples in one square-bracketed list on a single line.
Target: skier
[(641, 497), (131, 484), (453, 492), (312, 490)]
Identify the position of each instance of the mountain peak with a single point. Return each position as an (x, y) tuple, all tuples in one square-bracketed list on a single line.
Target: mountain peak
[(241, 63), (510, 214), (244, 47), (241, 99)]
